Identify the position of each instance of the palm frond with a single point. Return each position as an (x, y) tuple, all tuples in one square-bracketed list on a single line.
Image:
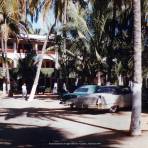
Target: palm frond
[(78, 20), (33, 4), (46, 7)]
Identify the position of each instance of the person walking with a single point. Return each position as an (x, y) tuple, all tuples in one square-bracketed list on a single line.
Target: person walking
[(24, 91), (55, 88)]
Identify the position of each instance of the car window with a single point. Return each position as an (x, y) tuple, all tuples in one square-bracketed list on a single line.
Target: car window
[(126, 90), (106, 90), (81, 89), (112, 90), (96, 89)]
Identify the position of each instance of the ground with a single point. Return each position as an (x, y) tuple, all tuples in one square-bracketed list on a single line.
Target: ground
[(46, 123)]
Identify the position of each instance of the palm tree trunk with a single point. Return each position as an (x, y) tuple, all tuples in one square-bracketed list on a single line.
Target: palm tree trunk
[(64, 22), (135, 127), (7, 69), (111, 48), (35, 84), (4, 66), (57, 65), (15, 52), (5, 55)]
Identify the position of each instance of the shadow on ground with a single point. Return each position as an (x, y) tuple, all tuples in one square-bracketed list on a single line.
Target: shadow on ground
[(40, 96), (102, 140), (31, 136), (40, 113), (26, 136), (42, 137)]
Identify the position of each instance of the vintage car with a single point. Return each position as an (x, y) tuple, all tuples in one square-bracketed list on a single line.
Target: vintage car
[(106, 97), (81, 91)]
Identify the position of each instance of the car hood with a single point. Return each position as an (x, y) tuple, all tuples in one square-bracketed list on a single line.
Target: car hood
[(69, 96), (72, 97)]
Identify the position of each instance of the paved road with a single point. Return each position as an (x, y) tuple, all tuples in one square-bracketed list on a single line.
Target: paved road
[(46, 123)]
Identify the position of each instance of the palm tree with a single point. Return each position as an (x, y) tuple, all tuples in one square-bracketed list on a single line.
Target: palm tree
[(11, 24), (5, 37), (135, 127), (112, 32), (35, 84), (9, 21), (60, 7), (33, 6)]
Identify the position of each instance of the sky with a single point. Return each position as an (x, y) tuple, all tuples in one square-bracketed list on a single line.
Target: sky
[(41, 23), (46, 23)]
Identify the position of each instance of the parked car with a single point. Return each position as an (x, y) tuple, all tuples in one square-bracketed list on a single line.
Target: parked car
[(106, 97), (81, 91), (41, 89)]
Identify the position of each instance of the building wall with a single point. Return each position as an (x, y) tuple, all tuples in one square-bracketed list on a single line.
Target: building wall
[(19, 49)]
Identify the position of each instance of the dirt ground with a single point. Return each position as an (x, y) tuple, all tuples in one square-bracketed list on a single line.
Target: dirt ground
[(46, 123)]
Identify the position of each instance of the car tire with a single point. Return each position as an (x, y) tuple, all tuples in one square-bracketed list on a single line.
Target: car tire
[(71, 106), (61, 102), (114, 109)]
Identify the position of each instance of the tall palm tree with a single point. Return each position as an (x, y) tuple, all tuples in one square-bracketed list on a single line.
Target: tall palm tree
[(11, 22), (35, 84), (112, 32), (135, 127), (10, 16), (60, 7), (47, 5), (5, 38)]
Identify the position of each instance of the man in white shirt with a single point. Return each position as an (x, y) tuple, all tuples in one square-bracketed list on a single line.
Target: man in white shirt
[(24, 91), (55, 87)]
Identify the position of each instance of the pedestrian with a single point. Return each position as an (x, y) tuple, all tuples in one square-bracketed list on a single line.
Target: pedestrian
[(55, 88), (24, 91), (64, 89)]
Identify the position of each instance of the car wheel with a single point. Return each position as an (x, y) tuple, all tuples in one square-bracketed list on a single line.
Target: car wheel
[(114, 109), (85, 106), (72, 106)]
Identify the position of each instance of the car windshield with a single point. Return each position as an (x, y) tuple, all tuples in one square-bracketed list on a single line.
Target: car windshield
[(81, 89), (107, 90)]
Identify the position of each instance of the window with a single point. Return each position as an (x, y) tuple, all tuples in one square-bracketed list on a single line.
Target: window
[(81, 89)]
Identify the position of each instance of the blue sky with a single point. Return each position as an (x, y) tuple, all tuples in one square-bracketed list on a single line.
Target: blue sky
[(46, 23), (43, 23)]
